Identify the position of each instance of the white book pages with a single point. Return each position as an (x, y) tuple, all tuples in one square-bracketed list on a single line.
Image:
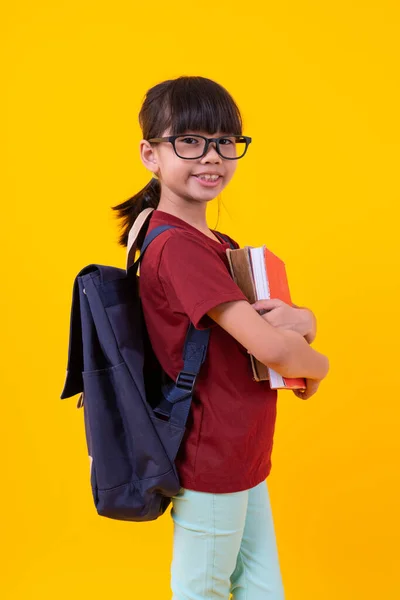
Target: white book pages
[(263, 293), (275, 380), (260, 273)]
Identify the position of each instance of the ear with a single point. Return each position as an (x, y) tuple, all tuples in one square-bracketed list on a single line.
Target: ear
[(148, 156)]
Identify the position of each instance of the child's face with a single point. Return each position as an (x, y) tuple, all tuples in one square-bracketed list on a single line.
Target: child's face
[(178, 175)]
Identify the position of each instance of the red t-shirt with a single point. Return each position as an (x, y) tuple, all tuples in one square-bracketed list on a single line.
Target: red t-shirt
[(228, 440)]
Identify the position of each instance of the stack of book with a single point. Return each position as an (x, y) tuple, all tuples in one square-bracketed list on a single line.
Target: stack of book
[(261, 275)]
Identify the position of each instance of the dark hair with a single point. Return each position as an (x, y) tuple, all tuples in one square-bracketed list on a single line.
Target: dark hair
[(186, 103)]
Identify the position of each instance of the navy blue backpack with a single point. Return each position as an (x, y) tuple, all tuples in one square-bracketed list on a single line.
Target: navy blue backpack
[(134, 414)]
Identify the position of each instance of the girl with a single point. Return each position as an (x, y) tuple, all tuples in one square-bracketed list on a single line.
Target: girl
[(223, 528)]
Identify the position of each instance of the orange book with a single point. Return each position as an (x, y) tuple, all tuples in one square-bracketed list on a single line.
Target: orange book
[(267, 273)]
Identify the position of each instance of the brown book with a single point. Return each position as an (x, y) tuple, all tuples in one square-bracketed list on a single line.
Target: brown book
[(239, 263)]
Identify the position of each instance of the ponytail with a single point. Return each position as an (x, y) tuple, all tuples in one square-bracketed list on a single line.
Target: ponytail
[(128, 211)]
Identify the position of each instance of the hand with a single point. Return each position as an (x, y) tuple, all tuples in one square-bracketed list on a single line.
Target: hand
[(312, 388), (285, 316)]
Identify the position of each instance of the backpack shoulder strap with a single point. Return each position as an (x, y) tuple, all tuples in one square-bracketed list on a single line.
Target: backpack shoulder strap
[(177, 396), (152, 236), (133, 235), (225, 237)]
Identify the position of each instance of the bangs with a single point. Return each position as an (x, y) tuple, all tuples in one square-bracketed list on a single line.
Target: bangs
[(200, 104)]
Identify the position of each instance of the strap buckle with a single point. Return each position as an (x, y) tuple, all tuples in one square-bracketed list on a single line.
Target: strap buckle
[(185, 381)]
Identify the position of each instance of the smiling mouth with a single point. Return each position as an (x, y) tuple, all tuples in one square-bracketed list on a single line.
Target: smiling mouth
[(210, 178)]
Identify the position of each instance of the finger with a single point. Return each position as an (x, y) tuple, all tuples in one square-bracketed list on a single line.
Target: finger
[(267, 304), (302, 394)]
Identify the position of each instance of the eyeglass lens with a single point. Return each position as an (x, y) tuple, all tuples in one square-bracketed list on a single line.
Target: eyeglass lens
[(193, 146)]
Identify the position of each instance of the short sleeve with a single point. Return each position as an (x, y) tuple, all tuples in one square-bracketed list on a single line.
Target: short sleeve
[(195, 278)]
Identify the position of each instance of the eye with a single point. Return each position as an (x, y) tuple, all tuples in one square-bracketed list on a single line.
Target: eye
[(227, 141), (187, 140)]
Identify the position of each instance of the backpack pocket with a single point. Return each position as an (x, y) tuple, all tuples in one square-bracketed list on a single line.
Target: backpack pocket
[(122, 438)]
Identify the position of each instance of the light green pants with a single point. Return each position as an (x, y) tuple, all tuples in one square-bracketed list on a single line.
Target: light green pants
[(224, 543)]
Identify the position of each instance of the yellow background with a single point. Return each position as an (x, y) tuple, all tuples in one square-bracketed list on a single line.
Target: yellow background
[(318, 86)]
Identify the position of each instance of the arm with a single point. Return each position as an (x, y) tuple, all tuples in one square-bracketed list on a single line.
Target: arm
[(283, 350)]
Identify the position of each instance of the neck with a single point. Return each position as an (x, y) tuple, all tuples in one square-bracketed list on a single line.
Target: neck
[(192, 212)]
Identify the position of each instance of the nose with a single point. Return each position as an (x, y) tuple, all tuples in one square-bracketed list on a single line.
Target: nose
[(212, 154)]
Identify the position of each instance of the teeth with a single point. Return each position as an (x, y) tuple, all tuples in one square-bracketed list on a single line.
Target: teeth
[(208, 177)]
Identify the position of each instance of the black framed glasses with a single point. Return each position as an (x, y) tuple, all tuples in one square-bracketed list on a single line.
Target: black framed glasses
[(190, 147)]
